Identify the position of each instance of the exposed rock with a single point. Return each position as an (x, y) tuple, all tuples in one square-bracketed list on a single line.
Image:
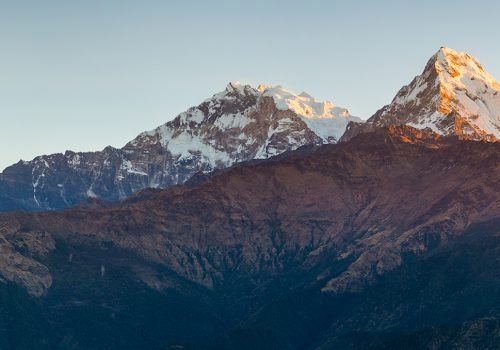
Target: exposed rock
[(453, 96), (372, 201), (238, 124)]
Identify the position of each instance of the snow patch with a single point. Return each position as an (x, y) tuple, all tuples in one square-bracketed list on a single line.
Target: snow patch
[(231, 121), (128, 167), (323, 118)]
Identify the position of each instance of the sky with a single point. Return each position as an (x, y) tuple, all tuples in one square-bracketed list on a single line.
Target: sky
[(82, 75)]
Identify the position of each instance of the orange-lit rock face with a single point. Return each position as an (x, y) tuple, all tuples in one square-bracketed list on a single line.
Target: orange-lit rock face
[(454, 95), (445, 100), (408, 134)]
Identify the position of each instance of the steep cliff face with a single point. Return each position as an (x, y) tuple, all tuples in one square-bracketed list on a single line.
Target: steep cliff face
[(237, 124), (454, 95)]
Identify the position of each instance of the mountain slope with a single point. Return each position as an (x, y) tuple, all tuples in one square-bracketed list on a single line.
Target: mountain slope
[(454, 95), (375, 198), (237, 124), (295, 252)]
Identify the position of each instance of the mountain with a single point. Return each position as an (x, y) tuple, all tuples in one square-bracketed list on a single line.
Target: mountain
[(235, 125), (388, 240), (454, 95)]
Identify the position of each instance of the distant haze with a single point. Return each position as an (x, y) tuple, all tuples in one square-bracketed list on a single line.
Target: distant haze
[(83, 75)]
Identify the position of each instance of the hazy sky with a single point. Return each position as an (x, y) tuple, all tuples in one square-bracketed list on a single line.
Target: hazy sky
[(81, 75)]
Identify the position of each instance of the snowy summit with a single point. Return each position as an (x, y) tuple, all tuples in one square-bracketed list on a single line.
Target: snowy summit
[(454, 95), (243, 122)]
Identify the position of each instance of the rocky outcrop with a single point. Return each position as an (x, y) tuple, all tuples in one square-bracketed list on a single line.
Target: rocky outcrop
[(20, 251)]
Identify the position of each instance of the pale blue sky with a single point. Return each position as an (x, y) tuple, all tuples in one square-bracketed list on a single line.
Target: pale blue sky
[(85, 74)]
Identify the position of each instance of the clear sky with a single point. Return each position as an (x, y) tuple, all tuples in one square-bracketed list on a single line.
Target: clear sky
[(81, 75)]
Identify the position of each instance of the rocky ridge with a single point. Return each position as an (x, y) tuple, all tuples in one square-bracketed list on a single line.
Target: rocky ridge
[(374, 199), (235, 125), (390, 239)]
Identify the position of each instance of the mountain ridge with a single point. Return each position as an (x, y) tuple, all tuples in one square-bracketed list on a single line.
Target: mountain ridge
[(237, 124), (453, 95), (251, 186), (312, 249), (389, 239)]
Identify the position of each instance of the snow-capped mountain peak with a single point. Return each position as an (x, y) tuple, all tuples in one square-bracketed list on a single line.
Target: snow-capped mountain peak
[(454, 64), (234, 90), (238, 109), (237, 124), (234, 125), (236, 87), (454, 95)]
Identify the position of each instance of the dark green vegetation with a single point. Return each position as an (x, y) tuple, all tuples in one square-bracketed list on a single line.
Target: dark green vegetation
[(448, 298)]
